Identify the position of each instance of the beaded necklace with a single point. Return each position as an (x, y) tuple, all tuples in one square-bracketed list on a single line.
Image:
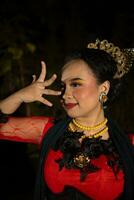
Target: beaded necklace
[(87, 128)]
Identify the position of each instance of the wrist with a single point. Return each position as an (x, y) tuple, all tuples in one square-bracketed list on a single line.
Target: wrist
[(10, 104), (18, 97)]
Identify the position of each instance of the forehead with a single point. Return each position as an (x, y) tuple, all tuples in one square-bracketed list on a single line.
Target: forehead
[(76, 69)]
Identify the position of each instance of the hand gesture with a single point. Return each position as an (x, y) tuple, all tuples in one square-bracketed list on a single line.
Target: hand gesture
[(38, 88)]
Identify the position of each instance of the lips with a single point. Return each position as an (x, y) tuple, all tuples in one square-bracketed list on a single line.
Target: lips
[(70, 105)]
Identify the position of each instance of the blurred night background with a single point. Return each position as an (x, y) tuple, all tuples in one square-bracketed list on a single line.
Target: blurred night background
[(31, 31)]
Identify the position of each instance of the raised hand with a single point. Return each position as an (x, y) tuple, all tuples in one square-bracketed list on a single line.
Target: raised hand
[(38, 88)]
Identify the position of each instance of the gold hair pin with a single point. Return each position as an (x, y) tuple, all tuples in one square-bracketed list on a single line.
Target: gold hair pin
[(124, 58)]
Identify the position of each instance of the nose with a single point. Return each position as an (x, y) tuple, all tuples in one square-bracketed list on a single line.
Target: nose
[(67, 94)]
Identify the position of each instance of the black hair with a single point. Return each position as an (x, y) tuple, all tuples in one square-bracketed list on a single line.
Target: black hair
[(102, 65)]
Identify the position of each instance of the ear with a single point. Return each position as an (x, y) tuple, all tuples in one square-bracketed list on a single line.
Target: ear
[(105, 86)]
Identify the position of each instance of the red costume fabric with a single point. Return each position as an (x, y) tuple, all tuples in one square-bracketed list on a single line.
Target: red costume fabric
[(101, 184)]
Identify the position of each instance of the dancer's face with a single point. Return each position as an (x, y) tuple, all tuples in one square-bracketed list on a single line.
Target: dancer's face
[(81, 90)]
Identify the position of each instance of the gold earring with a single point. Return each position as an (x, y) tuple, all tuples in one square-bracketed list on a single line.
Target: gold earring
[(103, 98)]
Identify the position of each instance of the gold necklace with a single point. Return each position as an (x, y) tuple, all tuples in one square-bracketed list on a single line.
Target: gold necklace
[(88, 128), (96, 135)]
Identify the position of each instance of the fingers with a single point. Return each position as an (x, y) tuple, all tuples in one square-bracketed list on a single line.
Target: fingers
[(46, 102), (43, 75), (51, 92), (51, 80), (48, 92), (43, 72), (34, 78)]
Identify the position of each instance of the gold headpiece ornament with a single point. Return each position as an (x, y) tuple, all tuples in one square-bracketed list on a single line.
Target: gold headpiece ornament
[(124, 58)]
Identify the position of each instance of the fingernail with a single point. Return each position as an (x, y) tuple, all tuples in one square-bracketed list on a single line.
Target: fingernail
[(42, 62)]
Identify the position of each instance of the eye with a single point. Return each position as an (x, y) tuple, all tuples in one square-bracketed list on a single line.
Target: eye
[(75, 84)]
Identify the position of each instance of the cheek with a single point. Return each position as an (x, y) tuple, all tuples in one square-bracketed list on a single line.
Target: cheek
[(86, 93)]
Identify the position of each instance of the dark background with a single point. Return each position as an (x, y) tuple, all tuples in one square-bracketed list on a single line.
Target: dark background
[(31, 31)]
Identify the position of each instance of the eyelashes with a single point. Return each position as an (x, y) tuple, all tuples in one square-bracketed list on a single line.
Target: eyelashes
[(62, 86), (75, 84), (72, 84)]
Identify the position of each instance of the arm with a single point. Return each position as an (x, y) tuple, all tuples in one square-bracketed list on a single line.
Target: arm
[(27, 128), (23, 129)]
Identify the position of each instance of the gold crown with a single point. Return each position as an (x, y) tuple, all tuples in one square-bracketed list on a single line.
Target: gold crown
[(124, 58)]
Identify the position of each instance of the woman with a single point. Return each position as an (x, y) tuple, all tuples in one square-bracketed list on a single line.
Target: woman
[(85, 155)]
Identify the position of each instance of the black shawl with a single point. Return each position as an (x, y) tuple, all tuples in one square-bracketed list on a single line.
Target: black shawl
[(121, 141)]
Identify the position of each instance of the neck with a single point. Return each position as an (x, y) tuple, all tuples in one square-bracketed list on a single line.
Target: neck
[(91, 120)]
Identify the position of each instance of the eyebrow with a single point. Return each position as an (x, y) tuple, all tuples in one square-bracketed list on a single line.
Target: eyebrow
[(74, 79)]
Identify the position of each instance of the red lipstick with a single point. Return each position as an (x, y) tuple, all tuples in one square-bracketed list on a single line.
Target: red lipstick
[(70, 105)]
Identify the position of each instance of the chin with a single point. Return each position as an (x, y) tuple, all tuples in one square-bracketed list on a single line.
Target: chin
[(72, 114)]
